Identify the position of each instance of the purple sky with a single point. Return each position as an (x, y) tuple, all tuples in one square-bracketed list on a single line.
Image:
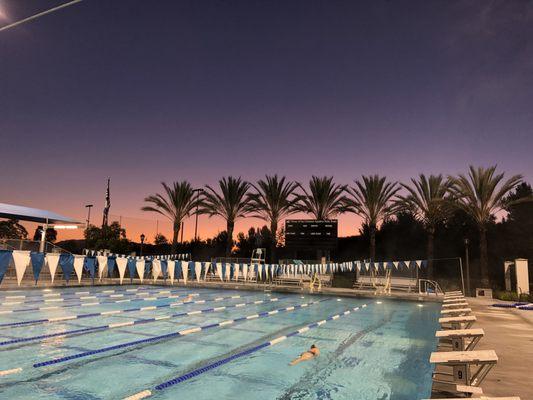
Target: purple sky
[(169, 90)]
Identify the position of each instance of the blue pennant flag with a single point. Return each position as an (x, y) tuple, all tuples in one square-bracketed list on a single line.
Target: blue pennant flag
[(111, 263), (5, 259), (132, 267), (37, 261), (90, 266), (164, 268), (66, 261)]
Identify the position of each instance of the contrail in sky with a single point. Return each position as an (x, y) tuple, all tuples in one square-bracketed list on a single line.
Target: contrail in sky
[(39, 15)]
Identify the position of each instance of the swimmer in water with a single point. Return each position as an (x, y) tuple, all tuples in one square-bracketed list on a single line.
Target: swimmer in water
[(308, 355)]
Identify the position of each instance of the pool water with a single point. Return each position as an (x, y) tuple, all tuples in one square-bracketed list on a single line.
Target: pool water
[(380, 351)]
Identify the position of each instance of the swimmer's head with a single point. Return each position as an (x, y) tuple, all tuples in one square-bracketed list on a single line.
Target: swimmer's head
[(313, 346)]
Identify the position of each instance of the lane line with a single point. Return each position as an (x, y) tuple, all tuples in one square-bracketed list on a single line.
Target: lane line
[(154, 339), (112, 312), (244, 353), (82, 331)]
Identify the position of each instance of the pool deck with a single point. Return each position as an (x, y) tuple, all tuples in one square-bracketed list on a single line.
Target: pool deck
[(509, 332)]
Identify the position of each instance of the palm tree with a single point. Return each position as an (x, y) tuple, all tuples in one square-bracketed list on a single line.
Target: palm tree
[(231, 204), (273, 200), (427, 200), (176, 204), (481, 194), (325, 199), (371, 199)]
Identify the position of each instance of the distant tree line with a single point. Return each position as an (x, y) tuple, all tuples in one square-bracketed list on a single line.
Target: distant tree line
[(429, 217)]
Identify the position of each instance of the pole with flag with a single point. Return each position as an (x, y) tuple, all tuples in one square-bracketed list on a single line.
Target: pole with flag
[(107, 206)]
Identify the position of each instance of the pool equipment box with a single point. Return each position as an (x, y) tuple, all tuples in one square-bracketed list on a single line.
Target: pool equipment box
[(309, 234)]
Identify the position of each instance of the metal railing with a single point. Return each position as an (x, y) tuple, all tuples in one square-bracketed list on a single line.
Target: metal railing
[(29, 245)]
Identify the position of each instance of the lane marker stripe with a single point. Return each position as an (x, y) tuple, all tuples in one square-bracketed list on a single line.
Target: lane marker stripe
[(149, 340), (243, 353), (91, 329)]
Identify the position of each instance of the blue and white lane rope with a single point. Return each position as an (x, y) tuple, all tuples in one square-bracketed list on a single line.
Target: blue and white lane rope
[(244, 353), (52, 293), (160, 338), (100, 328), (88, 296), (96, 303), (114, 312)]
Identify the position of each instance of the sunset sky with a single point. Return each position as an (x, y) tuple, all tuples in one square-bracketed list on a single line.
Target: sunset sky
[(151, 91)]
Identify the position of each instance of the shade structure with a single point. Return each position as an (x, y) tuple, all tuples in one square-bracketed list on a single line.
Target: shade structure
[(23, 213)]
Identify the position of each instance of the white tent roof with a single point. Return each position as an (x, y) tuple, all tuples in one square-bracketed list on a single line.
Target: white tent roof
[(33, 214)]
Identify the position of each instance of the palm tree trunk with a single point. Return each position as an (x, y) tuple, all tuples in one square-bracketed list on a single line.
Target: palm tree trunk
[(230, 225), (430, 250), (175, 236), (483, 258), (273, 231), (372, 242)]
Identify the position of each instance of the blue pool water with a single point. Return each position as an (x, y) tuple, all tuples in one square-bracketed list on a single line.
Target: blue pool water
[(380, 351)]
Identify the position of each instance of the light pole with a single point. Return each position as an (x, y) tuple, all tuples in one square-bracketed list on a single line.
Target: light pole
[(467, 267), (142, 242)]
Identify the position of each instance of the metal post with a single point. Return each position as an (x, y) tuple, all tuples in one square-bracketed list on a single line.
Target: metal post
[(462, 276), (43, 237), (467, 268)]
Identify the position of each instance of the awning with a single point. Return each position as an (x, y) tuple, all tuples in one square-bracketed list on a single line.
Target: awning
[(22, 213)]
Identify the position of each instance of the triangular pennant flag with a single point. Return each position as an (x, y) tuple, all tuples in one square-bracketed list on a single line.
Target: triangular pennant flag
[(407, 263), (66, 261), (90, 266), (198, 270), (418, 263), (21, 258), (236, 272), (5, 259), (102, 266), (140, 269), (122, 263), (245, 271), (156, 269), (219, 271), (132, 264), (37, 262), (207, 267), (185, 270), (395, 263), (79, 261), (171, 266)]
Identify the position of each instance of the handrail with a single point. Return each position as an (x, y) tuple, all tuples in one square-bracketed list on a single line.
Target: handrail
[(425, 283)]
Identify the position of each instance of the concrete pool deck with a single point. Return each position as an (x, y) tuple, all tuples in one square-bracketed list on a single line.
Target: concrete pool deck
[(509, 332)]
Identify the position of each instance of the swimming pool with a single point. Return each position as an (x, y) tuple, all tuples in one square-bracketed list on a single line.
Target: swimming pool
[(114, 342)]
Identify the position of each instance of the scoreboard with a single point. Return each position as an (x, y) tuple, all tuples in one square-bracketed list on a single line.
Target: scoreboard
[(309, 234)]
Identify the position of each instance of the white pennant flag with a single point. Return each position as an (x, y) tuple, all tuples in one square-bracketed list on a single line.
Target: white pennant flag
[(198, 270), (171, 265), (219, 271), (245, 271), (407, 263), (122, 263), (156, 269), (78, 266), (102, 266), (228, 272), (418, 263), (52, 260), (140, 269), (185, 270), (236, 272), (260, 271), (21, 259), (207, 265), (395, 263)]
